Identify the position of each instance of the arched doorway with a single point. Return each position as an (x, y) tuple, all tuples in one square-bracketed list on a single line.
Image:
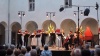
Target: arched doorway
[(47, 23), (93, 25), (68, 25), (2, 34), (15, 26), (31, 26)]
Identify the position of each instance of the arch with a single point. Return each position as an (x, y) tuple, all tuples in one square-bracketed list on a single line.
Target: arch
[(92, 23), (46, 24), (2, 33), (68, 25), (15, 26), (4, 24), (31, 26)]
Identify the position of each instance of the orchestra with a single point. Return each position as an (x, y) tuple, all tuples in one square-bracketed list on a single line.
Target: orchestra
[(66, 42)]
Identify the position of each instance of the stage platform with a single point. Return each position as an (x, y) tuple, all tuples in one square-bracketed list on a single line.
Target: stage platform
[(58, 51)]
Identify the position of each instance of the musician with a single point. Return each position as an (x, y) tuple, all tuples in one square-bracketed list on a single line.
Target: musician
[(33, 41), (26, 35), (43, 37), (19, 39), (75, 38), (53, 38), (62, 36), (71, 38)]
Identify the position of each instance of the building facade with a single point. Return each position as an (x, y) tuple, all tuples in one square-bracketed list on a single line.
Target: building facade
[(35, 17)]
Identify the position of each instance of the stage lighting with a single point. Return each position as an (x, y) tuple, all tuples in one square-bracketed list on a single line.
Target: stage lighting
[(61, 9), (97, 6), (86, 12)]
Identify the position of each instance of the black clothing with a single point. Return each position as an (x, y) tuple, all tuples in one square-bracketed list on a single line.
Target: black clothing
[(43, 39), (71, 39), (76, 40), (62, 38), (52, 38), (19, 40), (26, 39)]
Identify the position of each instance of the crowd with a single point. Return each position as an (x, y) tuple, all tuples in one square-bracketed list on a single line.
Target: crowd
[(24, 51), (35, 51)]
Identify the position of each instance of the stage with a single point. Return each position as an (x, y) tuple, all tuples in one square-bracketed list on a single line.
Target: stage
[(58, 51)]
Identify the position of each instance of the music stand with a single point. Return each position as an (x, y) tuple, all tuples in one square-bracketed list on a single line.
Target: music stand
[(37, 36)]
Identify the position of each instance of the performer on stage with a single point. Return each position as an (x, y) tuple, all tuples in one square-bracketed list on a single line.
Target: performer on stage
[(62, 36), (26, 35), (19, 39), (71, 38), (33, 41), (53, 38), (43, 37), (75, 38)]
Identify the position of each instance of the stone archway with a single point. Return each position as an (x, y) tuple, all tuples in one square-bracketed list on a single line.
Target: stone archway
[(93, 25), (2, 33), (47, 23), (3, 27), (31, 26), (68, 25), (15, 26)]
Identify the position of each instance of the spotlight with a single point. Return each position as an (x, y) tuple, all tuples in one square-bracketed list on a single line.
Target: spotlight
[(74, 14), (97, 6), (86, 12), (61, 9)]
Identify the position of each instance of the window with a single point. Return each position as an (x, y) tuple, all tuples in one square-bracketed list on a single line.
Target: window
[(31, 5), (68, 3)]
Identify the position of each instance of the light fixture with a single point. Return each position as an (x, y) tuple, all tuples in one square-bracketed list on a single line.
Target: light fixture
[(19, 14), (81, 13), (53, 14), (61, 9), (97, 6), (47, 14), (86, 12), (74, 14)]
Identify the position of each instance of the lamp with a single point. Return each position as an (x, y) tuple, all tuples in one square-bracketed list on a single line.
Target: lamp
[(86, 12)]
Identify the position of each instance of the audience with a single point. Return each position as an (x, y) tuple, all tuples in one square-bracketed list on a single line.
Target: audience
[(46, 51), (33, 52), (38, 51), (76, 52), (9, 52), (22, 51), (97, 52), (86, 52), (28, 51), (17, 52)]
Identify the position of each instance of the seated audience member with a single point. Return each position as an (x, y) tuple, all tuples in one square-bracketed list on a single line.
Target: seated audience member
[(9, 52), (86, 52), (12, 47), (97, 46), (97, 52), (23, 51), (46, 51), (86, 46), (2, 52), (17, 52), (33, 52), (28, 51), (38, 51), (76, 52)]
